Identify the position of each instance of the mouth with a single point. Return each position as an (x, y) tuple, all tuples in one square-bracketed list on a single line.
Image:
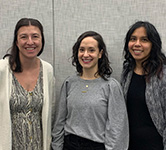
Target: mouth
[(86, 61), (30, 49), (137, 51)]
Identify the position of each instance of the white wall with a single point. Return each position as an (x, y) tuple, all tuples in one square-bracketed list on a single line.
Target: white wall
[(65, 20)]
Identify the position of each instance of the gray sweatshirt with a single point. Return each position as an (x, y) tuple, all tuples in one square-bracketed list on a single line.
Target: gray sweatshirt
[(92, 109)]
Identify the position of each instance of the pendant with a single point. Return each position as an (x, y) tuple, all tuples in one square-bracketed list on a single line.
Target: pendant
[(85, 90), (30, 93)]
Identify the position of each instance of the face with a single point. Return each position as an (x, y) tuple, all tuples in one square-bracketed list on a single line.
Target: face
[(88, 54), (139, 45), (29, 41)]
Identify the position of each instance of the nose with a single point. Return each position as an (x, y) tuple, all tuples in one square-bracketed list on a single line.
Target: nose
[(86, 54), (137, 43), (30, 41)]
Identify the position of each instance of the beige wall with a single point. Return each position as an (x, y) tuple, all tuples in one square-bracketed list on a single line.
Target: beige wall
[(65, 20)]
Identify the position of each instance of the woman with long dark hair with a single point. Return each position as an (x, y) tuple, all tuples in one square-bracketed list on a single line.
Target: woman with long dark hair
[(26, 91), (144, 86)]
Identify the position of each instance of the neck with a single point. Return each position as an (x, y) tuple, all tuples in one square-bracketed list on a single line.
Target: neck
[(88, 75), (29, 64), (138, 69)]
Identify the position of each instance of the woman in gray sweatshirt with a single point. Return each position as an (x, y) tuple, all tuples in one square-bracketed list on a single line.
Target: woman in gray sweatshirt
[(91, 110)]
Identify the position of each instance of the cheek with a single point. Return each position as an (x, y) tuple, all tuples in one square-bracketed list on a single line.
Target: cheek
[(79, 55), (131, 52), (130, 45), (20, 43), (149, 47), (17, 43), (148, 51)]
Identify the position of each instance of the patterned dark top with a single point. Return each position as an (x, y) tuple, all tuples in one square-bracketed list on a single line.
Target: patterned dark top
[(26, 115)]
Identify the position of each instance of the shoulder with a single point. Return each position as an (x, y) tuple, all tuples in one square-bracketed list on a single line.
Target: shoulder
[(155, 81), (69, 81), (112, 85), (46, 66), (4, 63), (164, 74), (164, 69), (71, 78), (112, 82)]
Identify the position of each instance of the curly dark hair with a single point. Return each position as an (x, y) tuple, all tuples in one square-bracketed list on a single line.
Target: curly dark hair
[(14, 59), (153, 64), (104, 69)]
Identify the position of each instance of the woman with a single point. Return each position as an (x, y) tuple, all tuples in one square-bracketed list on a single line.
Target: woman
[(144, 86), (91, 113), (26, 87)]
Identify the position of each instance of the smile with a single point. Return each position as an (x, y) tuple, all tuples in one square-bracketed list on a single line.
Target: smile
[(137, 51), (86, 60), (30, 48)]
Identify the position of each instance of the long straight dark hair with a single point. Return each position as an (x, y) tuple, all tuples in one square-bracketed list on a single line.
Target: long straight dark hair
[(14, 60), (153, 65)]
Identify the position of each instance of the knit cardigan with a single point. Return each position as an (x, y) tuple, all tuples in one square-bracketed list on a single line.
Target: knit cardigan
[(5, 93), (155, 94)]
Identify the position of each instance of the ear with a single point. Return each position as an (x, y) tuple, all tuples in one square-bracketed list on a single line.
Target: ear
[(100, 53)]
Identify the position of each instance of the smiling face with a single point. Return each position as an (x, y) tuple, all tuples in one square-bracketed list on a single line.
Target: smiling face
[(89, 54), (139, 45), (29, 41)]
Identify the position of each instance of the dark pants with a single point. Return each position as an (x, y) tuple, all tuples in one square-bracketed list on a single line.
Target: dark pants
[(73, 142)]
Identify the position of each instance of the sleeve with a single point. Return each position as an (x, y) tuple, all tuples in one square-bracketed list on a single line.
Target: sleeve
[(53, 82), (117, 130), (163, 93), (58, 127)]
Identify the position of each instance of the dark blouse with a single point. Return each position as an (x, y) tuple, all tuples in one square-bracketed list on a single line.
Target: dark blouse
[(143, 133)]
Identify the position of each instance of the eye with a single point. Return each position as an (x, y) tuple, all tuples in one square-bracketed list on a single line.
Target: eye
[(145, 39), (81, 49), (35, 36), (23, 36), (132, 38), (91, 50)]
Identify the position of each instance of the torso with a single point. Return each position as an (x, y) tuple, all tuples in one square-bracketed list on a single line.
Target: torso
[(26, 115), (143, 133), (28, 78)]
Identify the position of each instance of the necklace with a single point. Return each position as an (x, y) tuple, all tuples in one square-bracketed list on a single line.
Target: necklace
[(84, 91)]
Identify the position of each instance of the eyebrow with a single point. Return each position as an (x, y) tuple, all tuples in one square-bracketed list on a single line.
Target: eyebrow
[(32, 34), (141, 36)]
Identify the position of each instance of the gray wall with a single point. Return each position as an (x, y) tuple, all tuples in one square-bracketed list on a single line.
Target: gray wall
[(65, 20)]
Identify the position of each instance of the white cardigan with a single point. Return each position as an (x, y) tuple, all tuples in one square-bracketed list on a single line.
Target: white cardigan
[(5, 92)]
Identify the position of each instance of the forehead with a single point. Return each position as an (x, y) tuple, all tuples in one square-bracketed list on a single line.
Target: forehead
[(89, 41), (28, 30), (141, 31)]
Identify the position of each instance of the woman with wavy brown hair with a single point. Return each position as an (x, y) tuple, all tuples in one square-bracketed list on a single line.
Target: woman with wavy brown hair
[(91, 112)]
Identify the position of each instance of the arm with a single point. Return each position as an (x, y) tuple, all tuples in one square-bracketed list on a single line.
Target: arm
[(163, 93), (58, 128), (53, 94), (117, 131)]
